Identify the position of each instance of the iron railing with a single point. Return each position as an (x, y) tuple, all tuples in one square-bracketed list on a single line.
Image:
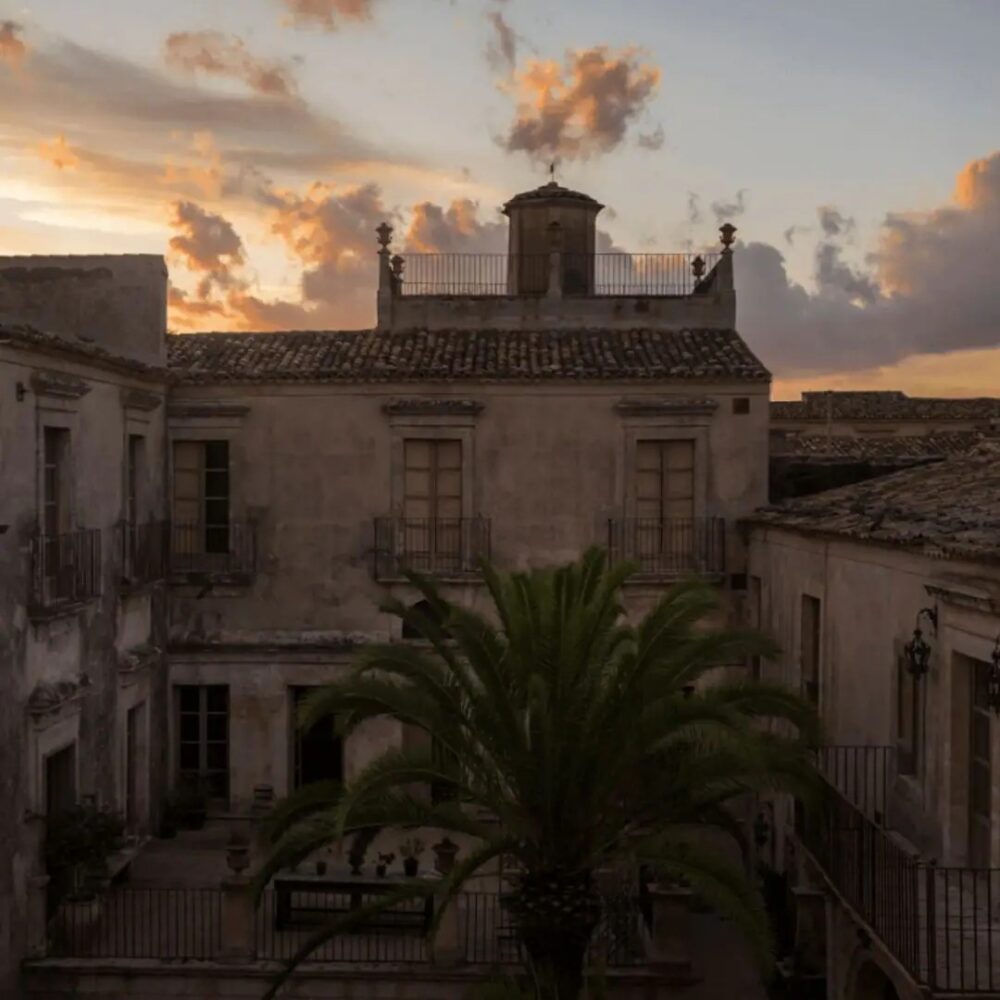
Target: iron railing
[(670, 546), (862, 774), (395, 936), (143, 550), (435, 546), (489, 935), (65, 568), (228, 549), (593, 274), (140, 922)]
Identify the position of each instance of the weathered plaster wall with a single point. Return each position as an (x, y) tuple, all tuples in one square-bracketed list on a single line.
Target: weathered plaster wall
[(116, 301), (870, 598), (79, 646)]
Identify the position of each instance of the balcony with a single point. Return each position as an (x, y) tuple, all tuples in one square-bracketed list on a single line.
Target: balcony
[(143, 550), (443, 547), (670, 547), (941, 923), (599, 275), (65, 569), (224, 551)]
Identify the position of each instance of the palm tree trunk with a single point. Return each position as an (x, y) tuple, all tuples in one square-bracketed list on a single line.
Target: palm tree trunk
[(556, 913)]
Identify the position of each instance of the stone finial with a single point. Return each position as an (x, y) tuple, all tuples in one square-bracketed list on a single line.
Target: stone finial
[(238, 852), (384, 231), (698, 267), (728, 231), (398, 264)]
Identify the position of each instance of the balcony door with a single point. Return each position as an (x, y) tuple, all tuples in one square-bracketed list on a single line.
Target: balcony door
[(980, 768), (200, 501), (318, 752), (662, 532), (203, 738), (432, 505), (57, 555)]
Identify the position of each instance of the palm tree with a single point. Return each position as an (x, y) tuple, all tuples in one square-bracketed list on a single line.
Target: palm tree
[(587, 741)]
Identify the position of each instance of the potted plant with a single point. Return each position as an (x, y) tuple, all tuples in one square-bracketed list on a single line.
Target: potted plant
[(77, 844), (410, 851), (384, 860), (445, 851)]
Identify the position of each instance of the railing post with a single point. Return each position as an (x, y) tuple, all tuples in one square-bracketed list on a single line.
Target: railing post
[(238, 911), (446, 948), (37, 929), (669, 941), (930, 919)]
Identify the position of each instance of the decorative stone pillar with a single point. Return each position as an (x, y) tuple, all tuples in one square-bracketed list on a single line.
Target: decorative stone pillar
[(724, 287), (238, 923), (386, 281), (668, 946)]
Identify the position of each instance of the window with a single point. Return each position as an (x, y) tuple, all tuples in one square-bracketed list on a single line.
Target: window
[(432, 501), (664, 486), (201, 496), (60, 781), (203, 737), (907, 718), (55, 488), (754, 620), (135, 471), (317, 753), (809, 648), (741, 405)]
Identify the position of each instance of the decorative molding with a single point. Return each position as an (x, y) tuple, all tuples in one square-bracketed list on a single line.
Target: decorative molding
[(138, 659), (964, 596), (49, 383), (50, 698), (207, 410), (641, 406), (140, 399), (424, 407)]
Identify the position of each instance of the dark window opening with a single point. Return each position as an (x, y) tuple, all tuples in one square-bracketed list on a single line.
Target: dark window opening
[(318, 752), (741, 405), (203, 738)]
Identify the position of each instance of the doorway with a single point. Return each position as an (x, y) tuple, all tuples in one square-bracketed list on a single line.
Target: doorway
[(136, 768)]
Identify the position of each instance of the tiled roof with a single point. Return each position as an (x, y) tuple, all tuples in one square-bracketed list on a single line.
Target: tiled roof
[(19, 335), (864, 448), (883, 406), (552, 192), (462, 355), (944, 508)]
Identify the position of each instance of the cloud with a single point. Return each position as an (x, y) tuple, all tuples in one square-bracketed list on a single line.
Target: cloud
[(208, 245), (329, 14), (726, 211), (12, 47), (833, 222), (217, 54), (582, 107), (455, 229), (929, 288), (652, 140), (501, 50), (59, 153)]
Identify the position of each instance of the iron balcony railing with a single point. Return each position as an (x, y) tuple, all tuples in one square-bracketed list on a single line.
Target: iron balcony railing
[(228, 549), (65, 568), (591, 274), (435, 546), (942, 923), (143, 550), (670, 546)]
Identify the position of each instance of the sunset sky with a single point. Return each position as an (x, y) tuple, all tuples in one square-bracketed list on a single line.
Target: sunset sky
[(257, 143)]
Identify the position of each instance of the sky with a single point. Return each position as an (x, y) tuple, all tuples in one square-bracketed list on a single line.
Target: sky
[(257, 144)]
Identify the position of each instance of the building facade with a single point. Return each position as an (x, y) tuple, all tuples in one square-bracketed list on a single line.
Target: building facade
[(202, 528)]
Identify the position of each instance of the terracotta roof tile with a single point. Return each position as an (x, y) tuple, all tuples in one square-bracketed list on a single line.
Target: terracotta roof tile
[(883, 405), (898, 448), (943, 508), (20, 335), (461, 355)]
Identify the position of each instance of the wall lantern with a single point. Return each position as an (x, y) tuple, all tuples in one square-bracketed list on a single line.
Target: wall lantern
[(917, 650), (993, 680)]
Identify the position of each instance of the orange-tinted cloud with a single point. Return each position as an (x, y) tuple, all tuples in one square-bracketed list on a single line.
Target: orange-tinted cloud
[(12, 46), (217, 54), (329, 14), (582, 107), (455, 229), (59, 153), (929, 288), (208, 245)]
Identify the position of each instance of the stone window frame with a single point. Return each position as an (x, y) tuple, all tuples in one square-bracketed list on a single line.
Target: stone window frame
[(441, 427), (133, 691), (138, 409)]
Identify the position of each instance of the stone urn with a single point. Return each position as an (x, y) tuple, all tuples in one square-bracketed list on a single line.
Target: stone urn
[(238, 852), (445, 852)]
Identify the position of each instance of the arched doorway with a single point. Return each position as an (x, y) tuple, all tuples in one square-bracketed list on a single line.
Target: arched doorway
[(873, 984)]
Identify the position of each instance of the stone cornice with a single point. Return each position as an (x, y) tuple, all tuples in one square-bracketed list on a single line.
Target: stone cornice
[(196, 411), (423, 407), (666, 406), (58, 384)]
